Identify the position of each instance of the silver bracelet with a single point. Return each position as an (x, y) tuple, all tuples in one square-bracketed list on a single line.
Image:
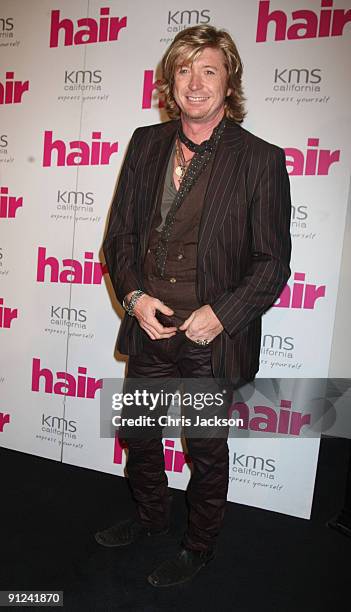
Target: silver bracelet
[(133, 300)]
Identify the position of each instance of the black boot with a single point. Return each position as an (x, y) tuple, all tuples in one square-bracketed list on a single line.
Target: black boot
[(126, 532), (181, 568)]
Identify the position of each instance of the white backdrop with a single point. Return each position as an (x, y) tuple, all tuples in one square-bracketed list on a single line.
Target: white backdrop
[(61, 90)]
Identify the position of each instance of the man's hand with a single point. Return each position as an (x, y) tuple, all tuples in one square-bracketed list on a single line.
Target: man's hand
[(202, 324), (144, 311)]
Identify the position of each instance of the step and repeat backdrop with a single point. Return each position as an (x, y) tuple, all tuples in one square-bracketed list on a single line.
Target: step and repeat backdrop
[(76, 78)]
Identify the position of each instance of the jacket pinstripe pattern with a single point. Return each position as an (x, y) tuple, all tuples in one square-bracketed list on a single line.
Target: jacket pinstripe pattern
[(244, 241)]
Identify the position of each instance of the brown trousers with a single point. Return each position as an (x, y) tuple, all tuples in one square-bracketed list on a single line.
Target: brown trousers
[(178, 357)]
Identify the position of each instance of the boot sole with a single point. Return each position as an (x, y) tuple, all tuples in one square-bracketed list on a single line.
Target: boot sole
[(116, 545), (102, 542), (170, 584)]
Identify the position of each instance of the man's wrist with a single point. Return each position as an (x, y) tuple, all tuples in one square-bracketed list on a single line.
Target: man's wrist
[(127, 298), (130, 302)]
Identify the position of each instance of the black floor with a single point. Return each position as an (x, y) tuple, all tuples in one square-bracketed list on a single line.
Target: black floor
[(265, 562)]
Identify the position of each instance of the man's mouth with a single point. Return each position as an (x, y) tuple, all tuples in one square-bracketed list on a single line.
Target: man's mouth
[(197, 98)]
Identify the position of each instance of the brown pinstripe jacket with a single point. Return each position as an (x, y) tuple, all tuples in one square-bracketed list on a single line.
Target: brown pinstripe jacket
[(244, 241)]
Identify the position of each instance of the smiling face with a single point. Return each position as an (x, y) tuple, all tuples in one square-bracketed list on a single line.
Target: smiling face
[(200, 88)]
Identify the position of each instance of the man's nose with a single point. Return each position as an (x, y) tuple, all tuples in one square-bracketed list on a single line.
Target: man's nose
[(195, 81)]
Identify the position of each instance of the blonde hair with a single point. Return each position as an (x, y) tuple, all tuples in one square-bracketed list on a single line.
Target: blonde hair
[(187, 46)]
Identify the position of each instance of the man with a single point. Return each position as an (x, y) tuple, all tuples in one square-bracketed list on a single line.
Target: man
[(197, 248)]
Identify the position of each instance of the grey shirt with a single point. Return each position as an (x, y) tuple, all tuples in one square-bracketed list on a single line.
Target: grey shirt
[(169, 191)]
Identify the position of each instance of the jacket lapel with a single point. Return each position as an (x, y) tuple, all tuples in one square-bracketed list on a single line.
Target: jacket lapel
[(155, 166), (225, 173)]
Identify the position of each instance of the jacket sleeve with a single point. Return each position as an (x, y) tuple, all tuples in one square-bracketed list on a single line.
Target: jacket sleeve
[(269, 269), (120, 242)]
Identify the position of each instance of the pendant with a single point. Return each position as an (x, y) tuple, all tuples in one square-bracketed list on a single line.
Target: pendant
[(179, 171)]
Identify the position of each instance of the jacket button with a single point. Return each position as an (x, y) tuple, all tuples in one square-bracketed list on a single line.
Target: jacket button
[(172, 280), (180, 256)]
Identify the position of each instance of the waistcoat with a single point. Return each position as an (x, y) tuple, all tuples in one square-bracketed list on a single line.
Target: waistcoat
[(177, 289)]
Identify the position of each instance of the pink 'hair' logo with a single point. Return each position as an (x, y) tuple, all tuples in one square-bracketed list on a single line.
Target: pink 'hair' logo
[(77, 152), (4, 420), (312, 162), (73, 271), (7, 315), (89, 30), (11, 91), (174, 460), (64, 383), (303, 23), (8, 204), (270, 420), (300, 294)]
